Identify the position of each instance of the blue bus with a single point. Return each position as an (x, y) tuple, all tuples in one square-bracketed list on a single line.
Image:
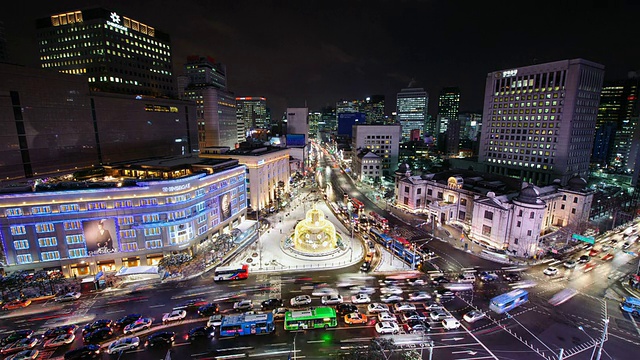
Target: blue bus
[(630, 305), (505, 302), (247, 324), (381, 237)]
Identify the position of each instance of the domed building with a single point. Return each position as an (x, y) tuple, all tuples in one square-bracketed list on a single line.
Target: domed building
[(315, 234)]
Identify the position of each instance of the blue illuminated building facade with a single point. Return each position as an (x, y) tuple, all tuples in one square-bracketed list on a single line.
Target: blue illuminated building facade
[(131, 215)]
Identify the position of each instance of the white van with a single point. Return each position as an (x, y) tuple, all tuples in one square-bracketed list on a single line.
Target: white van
[(632, 239), (467, 278)]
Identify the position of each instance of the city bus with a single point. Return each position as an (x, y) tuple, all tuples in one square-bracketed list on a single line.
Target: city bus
[(357, 205), (224, 273), (381, 222), (253, 324), (381, 237), (505, 302), (630, 305), (314, 318)]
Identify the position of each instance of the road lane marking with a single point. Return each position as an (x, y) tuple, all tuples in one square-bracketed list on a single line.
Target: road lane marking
[(155, 306), (114, 312)]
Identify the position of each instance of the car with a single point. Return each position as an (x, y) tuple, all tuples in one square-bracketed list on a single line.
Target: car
[(97, 335), (438, 315), (302, 280), (271, 304), (355, 318), (584, 259), (418, 326), (208, 309), (404, 306), (216, 320), (433, 306), (24, 355), (387, 327), (15, 336), (124, 344), (98, 324), (243, 305), (413, 315), (626, 245), (450, 323), (138, 325), (368, 257), (16, 304), (473, 316), (200, 333), (550, 271), (428, 252), (324, 291), (64, 339), (467, 277), (300, 300), (344, 308), (360, 299), (607, 257), (126, 320), (85, 352), (389, 298), (332, 300), (386, 316), (20, 345), (191, 304), (440, 280), (377, 307), (511, 276), (606, 247), (72, 296), (589, 266), (488, 276), (360, 289), (176, 315), (416, 282), (442, 293), (59, 330), (391, 290), (389, 282), (570, 264), (593, 252), (161, 338), (419, 296)]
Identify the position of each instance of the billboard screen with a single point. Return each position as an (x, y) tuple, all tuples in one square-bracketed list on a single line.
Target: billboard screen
[(347, 120), (100, 236), (296, 140), (225, 206)]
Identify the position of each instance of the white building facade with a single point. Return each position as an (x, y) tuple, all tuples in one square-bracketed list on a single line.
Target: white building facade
[(367, 166), (383, 140)]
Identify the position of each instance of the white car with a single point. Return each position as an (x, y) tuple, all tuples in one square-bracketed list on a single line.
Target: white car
[(362, 290), (332, 300), (123, 344), (419, 296), (243, 305), (64, 339), (416, 282), (377, 307), (391, 290), (570, 264), (175, 315), (300, 300), (387, 327), (404, 307), (606, 247), (473, 316), (433, 306), (391, 298), (386, 316), (450, 323), (360, 299), (324, 291), (550, 271), (138, 325), (72, 296), (216, 320), (438, 315)]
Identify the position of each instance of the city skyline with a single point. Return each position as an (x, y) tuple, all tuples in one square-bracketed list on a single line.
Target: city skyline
[(314, 57)]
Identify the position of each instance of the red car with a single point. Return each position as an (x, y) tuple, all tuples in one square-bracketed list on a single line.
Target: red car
[(589, 266), (593, 252), (607, 256), (16, 304)]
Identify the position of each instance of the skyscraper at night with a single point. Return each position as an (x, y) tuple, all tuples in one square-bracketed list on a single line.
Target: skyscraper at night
[(448, 107), (116, 53), (215, 105), (623, 104), (252, 112), (411, 111), (539, 121), (373, 107)]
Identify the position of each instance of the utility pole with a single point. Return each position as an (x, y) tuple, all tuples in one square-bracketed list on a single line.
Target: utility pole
[(604, 336)]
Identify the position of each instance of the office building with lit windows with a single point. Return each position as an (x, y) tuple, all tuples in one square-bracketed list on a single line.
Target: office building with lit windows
[(411, 111), (252, 113), (115, 52), (539, 121), (624, 111), (131, 215), (448, 107), (382, 140)]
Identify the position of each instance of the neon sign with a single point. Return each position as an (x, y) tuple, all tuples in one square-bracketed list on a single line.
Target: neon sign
[(510, 73), (176, 187)]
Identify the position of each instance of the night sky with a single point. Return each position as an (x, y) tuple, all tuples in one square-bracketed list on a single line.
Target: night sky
[(319, 52)]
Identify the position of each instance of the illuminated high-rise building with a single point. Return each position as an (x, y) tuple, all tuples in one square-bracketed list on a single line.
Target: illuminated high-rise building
[(116, 53), (628, 108), (252, 112), (411, 111), (539, 120), (373, 107), (448, 107)]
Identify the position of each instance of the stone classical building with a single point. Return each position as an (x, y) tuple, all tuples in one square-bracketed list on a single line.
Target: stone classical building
[(498, 213), (367, 166)]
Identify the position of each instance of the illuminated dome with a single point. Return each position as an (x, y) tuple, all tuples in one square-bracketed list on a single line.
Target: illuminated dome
[(315, 234)]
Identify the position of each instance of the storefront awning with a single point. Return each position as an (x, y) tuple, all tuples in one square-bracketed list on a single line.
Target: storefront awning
[(138, 270)]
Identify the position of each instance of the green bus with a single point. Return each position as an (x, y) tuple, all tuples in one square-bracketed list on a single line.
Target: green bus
[(314, 318)]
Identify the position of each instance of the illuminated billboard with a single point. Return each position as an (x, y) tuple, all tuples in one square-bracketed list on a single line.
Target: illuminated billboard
[(296, 140), (225, 206), (100, 236)]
